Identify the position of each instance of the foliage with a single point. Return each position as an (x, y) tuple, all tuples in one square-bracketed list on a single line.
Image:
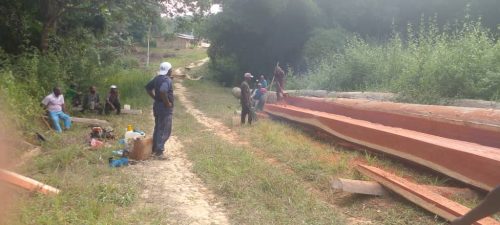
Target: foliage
[(429, 66), (257, 34), (374, 19), (322, 43)]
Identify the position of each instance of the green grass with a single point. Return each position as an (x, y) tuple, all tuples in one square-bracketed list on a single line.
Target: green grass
[(253, 191), (91, 192), (316, 161)]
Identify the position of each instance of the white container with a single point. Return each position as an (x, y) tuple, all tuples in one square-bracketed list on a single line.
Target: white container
[(126, 107)]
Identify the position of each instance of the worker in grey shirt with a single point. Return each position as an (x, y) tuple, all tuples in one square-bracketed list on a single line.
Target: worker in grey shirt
[(161, 90)]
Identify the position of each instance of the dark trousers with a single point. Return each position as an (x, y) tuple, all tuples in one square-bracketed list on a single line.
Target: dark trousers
[(108, 108), (245, 110), (97, 108), (162, 131)]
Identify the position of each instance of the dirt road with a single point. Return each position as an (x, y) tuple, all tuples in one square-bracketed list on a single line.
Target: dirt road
[(172, 188)]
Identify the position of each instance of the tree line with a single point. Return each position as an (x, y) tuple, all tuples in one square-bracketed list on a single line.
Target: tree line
[(252, 35)]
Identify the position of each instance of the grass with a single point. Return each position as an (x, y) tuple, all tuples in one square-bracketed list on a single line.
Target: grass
[(91, 192), (253, 191), (316, 161)]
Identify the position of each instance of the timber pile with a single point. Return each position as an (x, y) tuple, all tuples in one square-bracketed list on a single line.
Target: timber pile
[(421, 134), (421, 195), (93, 122)]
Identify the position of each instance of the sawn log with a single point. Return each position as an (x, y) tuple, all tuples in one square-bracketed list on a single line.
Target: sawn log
[(420, 195)]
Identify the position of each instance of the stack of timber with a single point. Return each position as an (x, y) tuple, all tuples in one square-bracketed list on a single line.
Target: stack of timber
[(462, 143), (421, 195)]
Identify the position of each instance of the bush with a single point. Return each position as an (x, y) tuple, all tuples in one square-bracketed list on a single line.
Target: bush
[(322, 43), (428, 66), (225, 70), (27, 78)]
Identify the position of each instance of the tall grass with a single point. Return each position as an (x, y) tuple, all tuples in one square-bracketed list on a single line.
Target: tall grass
[(25, 79), (425, 65)]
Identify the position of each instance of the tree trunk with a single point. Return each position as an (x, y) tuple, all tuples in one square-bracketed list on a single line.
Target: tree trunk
[(50, 12)]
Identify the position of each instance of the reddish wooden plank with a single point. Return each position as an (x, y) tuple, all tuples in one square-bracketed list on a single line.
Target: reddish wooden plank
[(480, 169), (420, 195), (27, 183), (480, 126)]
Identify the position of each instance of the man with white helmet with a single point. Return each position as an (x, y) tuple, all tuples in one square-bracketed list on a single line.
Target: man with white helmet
[(161, 90)]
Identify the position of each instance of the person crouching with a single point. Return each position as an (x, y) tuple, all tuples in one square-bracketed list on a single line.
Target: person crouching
[(113, 101)]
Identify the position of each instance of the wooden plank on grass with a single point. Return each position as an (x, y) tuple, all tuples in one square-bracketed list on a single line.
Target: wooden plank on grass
[(90, 121), (375, 188), (358, 187), (420, 195), (27, 183)]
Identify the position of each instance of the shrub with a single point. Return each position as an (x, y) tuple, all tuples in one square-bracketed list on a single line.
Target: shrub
[(428, 66)]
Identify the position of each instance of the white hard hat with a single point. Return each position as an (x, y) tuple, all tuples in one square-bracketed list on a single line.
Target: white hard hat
[(248, 75), (164, 68), (113, 87)]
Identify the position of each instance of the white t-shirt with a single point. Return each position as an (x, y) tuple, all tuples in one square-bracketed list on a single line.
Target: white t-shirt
[(53, 103)]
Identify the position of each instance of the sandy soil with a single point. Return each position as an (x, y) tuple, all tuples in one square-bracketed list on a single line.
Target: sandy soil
[(171, 187), (174, 189)]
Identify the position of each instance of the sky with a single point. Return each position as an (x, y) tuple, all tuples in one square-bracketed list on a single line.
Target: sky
[(214, 9)]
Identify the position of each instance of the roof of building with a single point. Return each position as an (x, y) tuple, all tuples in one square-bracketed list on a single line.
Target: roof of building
[(186, 36)]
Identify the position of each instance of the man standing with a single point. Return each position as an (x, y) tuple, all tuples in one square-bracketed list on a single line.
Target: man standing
[(279, 75), (54, 103), (245, 99), (113, 101), (161, 90)]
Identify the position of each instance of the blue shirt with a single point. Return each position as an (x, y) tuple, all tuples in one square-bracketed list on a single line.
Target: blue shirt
[(263, 83), (161, 84)]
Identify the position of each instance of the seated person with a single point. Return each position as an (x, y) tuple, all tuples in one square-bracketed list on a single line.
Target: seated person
[(91, 101), (259, 97), (54, 103), (263, 81), (113, 101)]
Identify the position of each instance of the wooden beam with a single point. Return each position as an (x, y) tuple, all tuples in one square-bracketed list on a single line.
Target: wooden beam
[(27, 183), (421, 148), (358, 187), (90, 121), (124, 111), (420, 195), (375, 188), (131, 111)]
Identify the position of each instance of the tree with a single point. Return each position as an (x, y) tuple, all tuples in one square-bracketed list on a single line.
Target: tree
[(256, 34)]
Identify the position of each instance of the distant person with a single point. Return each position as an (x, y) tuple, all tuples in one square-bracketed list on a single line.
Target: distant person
[(161, 90), (73, 95), (91, 101), (245, 99), (258, 97), (113, 101), (279, 76), (489, 206), (263, 81), (259, 106), (54, 103)]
